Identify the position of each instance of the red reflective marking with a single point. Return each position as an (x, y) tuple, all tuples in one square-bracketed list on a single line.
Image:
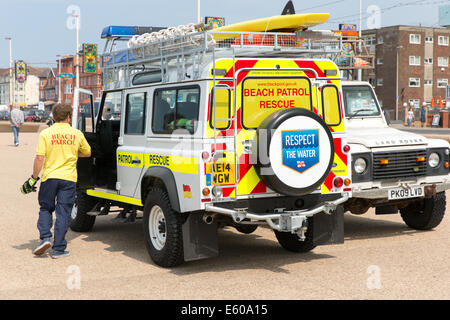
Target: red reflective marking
[(310, 65), (338, 150), (329, 181), (260, 188), (240, 64), (209, 107), (220, 147), (227, 191), (244, 165)]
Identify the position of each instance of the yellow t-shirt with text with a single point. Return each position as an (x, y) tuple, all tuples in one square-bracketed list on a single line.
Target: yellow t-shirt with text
[(60, 145)]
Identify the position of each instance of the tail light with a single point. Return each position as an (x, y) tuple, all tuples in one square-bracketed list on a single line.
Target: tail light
[(338, 182), (205, 155)]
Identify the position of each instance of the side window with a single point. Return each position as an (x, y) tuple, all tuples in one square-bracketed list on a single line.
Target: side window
[(330, 105), (85, 121), (222, 109), (176, 109), (163, 110), (113, 106), (135, 113)]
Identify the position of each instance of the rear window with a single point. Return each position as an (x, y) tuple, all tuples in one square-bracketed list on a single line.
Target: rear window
[(263, 96), (220, 108), (331, 108)]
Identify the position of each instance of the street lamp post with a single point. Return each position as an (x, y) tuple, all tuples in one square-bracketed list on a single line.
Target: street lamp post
[(360, 34), (59, 78), (77, 62), (11, 89), (396, 85)]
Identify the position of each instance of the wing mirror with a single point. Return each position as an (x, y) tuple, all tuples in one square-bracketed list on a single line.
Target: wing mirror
[(387, 116)]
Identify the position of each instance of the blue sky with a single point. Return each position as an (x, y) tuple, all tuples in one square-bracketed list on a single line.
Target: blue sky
[(39, 27)]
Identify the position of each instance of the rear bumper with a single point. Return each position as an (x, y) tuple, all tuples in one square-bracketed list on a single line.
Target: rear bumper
[(382, 193), (284, 221)]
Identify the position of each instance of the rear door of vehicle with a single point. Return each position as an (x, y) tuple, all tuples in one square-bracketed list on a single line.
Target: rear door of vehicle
[(331, 110)]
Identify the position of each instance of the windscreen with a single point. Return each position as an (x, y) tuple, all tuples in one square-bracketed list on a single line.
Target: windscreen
[(359, 101)]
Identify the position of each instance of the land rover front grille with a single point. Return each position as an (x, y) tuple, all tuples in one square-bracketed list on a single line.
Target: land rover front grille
[(400, 164)]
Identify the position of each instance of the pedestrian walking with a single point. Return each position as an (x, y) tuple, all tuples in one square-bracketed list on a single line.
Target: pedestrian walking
[(50, 121), (17, 118), (57, 153), (423, 115), (410, 117)]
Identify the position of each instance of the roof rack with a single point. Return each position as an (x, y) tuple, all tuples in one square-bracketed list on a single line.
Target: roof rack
[(190, 51), (114, 34)]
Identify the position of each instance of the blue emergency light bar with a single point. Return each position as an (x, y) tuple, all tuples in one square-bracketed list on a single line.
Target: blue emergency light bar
[(125, 32)]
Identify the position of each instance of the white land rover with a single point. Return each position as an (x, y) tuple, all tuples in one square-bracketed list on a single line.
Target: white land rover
[(393, 170)]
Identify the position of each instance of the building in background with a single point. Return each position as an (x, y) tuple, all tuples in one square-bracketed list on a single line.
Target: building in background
[(26, 94), (90, 81), (4, 87), (411, 66), (48, 87)]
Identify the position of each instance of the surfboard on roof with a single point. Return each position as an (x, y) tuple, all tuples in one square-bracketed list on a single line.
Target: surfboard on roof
[(282, 23)]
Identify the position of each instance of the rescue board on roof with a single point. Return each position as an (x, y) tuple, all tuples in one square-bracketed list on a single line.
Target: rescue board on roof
[(286, 23)]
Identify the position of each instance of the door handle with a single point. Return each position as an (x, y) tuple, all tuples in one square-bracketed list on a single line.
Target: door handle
[(136, 161)]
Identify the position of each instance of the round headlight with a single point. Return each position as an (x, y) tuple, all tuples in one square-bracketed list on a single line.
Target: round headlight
[(434, 159), (360, 165)]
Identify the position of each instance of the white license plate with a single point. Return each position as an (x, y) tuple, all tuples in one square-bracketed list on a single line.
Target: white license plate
[(400, 193)]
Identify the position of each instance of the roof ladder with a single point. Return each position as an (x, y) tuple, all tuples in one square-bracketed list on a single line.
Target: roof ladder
[(218, 196)]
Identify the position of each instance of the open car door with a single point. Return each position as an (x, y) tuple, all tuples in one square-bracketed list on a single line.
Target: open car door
[(83, 119)]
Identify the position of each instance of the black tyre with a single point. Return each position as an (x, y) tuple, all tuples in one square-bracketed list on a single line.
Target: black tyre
[(291, 242), (246, 228), (426, 214), (81, 222), (163, 229)]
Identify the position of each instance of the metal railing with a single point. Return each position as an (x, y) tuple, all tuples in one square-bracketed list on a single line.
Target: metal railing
[(120, 66)]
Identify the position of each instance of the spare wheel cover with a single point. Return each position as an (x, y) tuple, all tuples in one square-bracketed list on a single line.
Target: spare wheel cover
[(299, 152)]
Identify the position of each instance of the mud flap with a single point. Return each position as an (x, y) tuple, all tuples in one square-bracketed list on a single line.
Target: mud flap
[(329, 229), (199, 239)]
